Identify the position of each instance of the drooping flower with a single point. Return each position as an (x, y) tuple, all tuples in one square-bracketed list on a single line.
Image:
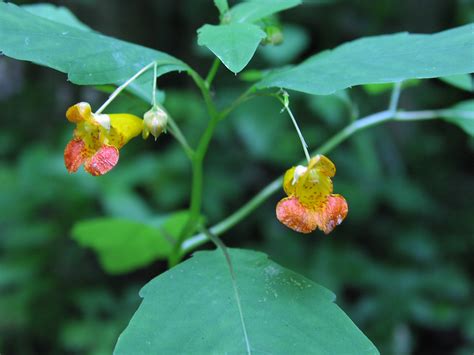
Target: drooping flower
[(310, 203), (98, 138), (154, 122)]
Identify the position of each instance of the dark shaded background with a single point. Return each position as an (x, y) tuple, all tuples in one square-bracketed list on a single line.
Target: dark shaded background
[(401, 264)]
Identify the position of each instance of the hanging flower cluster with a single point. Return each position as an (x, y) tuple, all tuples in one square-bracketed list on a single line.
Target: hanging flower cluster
[(98, 138), (310, 203)]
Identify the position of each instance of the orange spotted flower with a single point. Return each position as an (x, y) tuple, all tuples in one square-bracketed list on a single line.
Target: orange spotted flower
[(98, 138), (310, 203)]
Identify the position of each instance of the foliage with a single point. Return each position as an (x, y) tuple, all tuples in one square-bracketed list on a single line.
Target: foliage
[(400, 264), (380, 59), (283, 312)]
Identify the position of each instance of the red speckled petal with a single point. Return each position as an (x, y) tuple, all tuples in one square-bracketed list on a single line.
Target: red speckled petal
[(294, 215), (332, 214), (74, 154), (102, 161)]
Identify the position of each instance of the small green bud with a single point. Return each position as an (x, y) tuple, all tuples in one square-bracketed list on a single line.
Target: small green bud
[(274, 35), (154, 122)]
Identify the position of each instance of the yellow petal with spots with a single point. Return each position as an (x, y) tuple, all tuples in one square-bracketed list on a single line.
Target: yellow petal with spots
[(323, 165), (288, 185), (123, 128), (312, 188)]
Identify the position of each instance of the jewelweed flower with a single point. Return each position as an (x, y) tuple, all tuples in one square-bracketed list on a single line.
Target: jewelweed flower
[(310, 203), (98, 138)]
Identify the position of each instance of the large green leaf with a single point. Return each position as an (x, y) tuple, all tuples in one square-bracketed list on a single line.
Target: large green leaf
[(125, 245), (462, 115), (56, 13), (381, 59), (87, 57), (234, 44), (236, 41), (253, 10), (192, 309)]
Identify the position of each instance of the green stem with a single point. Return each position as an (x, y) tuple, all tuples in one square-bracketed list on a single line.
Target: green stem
[(176, 132), (212, 72), (286, 106), (197, 169), (395, 97), (153, 92), (198, 159), (237, 102), (359, 125)]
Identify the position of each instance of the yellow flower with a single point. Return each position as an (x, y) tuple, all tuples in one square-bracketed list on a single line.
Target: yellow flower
[(310, 203), (98, 138)]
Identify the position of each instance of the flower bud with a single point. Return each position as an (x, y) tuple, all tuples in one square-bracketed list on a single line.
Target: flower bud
[(274, 35), (154, 122)]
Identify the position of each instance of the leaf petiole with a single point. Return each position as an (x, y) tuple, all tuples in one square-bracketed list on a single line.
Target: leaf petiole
[(124, 86)]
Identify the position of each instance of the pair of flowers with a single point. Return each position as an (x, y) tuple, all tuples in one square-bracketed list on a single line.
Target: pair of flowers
[(98, 137)]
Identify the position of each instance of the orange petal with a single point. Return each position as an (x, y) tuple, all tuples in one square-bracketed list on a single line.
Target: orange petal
[(294, 215), (332, 214), (102, 161), (74, 154)]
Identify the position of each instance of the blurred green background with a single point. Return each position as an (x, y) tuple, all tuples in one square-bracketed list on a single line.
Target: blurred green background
[(401, 264)]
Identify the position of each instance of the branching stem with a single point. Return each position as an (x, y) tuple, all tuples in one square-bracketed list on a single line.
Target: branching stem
[(199, 155), (354, 127)]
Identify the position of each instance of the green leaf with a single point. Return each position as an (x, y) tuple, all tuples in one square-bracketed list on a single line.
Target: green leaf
[(124, 245), (56, 13), (222, 6), (253, 10), (381, 59), (462, 115), (141, 88), (375, 89), (88, 58), (463, 81), (236, 41), (192, 309), (234, 44)]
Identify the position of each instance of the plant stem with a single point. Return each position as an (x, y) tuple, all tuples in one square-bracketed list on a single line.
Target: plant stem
[(300, 135), (197, 169), (176, 132), (285, 101), (359, 125), (153, 92), (241, 99), (395, 97), (123, 86), (234, 218), (212, 72)]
